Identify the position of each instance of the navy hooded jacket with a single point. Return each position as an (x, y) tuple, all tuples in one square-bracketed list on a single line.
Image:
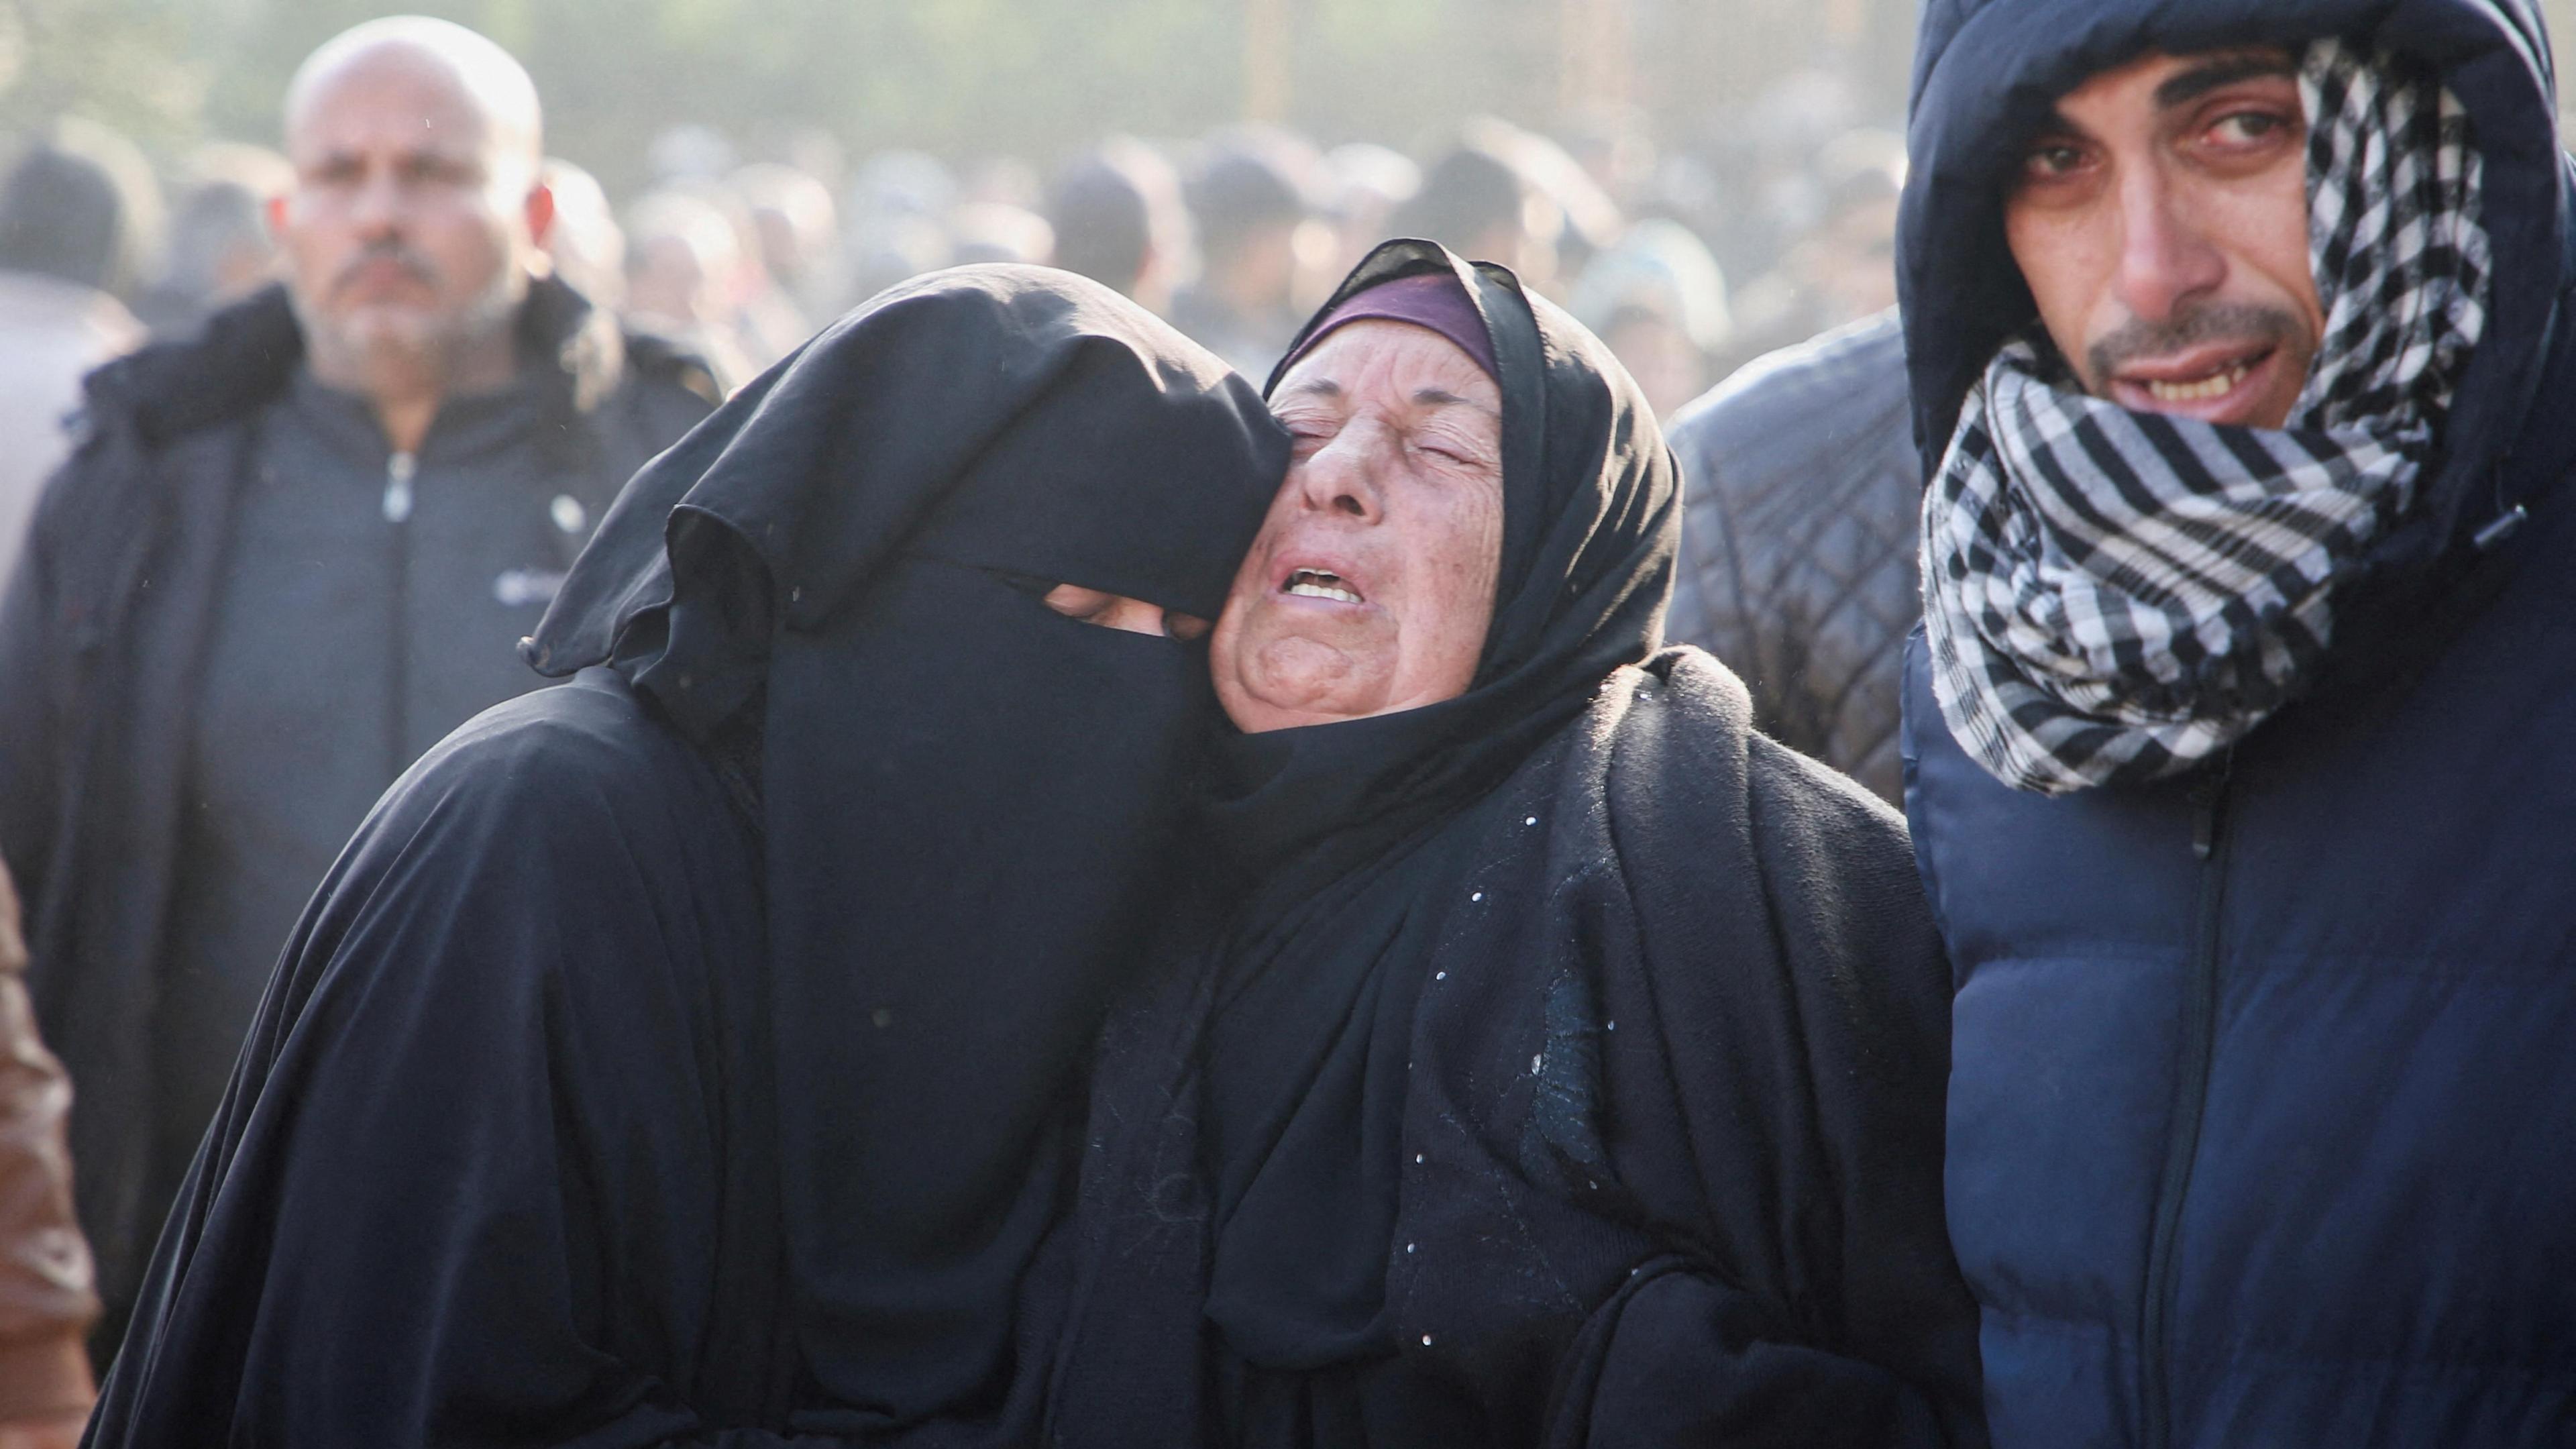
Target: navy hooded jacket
[(2262, 1121)]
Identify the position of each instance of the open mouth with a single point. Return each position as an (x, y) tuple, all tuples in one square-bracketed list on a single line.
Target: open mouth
[(1317, 584), (2218, 386), (2200, 389), (2214, 385)]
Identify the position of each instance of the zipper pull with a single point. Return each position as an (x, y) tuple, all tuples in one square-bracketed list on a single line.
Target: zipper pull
[(398, 473), (2503, 526)]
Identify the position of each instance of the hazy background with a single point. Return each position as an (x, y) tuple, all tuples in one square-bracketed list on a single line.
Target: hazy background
[(960, 78), (1705, 179)]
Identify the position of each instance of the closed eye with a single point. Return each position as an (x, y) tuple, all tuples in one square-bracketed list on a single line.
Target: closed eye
[(1307, 432), (1464, 455)]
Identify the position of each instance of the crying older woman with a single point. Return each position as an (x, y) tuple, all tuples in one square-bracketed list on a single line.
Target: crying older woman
[(1568, 1065)]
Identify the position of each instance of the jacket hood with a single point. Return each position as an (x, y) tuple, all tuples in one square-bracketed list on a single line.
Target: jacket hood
[(246, 353), (1987, 73)]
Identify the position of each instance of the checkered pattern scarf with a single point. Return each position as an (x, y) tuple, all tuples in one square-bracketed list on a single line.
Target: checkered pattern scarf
[(2113, 596)]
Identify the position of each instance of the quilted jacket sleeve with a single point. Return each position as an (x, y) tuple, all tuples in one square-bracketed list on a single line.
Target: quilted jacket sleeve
[(1797, 568)]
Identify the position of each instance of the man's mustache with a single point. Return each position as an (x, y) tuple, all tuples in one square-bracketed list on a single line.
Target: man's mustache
[(2219, 321), (412, 263)]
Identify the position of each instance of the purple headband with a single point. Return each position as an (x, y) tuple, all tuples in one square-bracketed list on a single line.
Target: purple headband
[(1435, 300)]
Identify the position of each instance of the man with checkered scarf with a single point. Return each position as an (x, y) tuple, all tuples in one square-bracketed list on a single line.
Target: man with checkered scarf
[(2239, 731)]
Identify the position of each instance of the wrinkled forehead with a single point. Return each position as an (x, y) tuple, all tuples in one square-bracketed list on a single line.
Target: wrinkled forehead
[(1383, 362)]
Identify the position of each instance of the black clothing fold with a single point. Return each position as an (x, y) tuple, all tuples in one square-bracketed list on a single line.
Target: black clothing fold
[(1396, 1053), (948, 806), (1668, 1163), (488, 1171)]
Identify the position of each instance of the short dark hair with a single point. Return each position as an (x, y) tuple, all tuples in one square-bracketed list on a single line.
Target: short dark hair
[(215, 219), (63, 216), (1466, 194), (1238, 193), (1104, 227)]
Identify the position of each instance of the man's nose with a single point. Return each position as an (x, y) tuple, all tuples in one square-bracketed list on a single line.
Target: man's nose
[(377, 206), (1342, 476), (2166, 258)]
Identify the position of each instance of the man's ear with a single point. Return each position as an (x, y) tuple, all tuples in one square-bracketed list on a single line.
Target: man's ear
[(541, 212), (277, 218)]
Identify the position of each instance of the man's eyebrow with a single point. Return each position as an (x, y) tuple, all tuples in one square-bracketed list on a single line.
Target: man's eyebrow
[(2222, 70), (2055, 128), (1316, 387)]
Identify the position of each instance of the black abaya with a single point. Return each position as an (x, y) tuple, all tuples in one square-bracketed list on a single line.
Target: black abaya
[(1383, 1171), (522, 1151), (487, 1169)]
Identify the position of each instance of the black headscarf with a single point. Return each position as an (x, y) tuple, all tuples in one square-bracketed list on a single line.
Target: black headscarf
[(835, 582), (1338, 826)]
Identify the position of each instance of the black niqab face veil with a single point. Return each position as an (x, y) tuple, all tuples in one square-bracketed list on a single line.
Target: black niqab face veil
[(1339, 826), (965, 798)]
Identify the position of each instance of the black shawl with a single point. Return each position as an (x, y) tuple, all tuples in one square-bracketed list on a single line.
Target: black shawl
[(1326, 820), (1293, 1132), (581, 1111)]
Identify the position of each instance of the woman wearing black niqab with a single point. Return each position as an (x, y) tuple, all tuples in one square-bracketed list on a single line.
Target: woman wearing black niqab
[(1569, 1067), (689, 1054)]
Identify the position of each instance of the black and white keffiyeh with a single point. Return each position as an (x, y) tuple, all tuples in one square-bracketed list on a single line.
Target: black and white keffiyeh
[(2113, 596)]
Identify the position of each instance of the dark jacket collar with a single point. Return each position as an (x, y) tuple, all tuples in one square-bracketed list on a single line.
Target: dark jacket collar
[(1988, 71), (248, 352)]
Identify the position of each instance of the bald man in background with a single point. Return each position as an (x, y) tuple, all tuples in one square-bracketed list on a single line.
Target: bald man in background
[(289, 555)]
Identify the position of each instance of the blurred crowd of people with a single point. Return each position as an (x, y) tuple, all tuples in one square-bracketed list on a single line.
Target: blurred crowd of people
[(239, 464), (1236, 235), (1688, 262)]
